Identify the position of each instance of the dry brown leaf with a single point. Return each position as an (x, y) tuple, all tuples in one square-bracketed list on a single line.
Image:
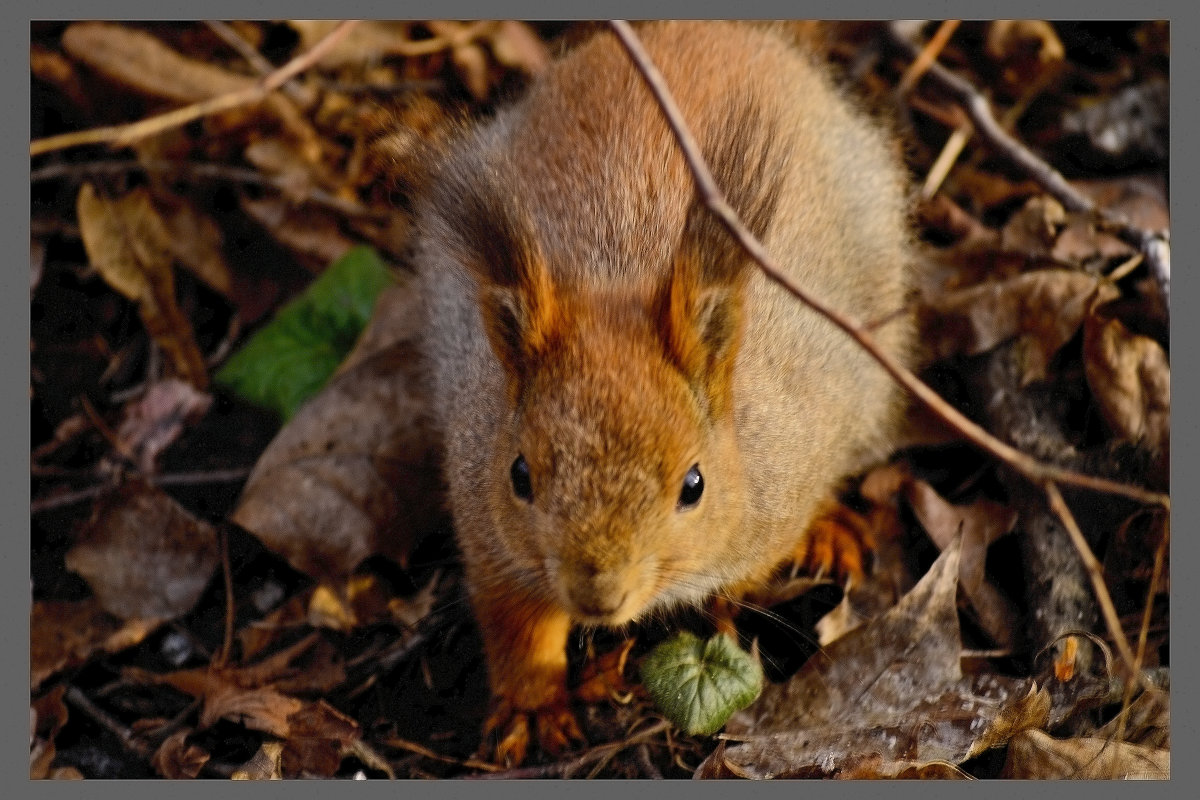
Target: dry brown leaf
[(319, 735), (258, 709), (471, 63), (1046, 307), (328, 609), (409, 611), (47, 716), (1146, 722), (355, 472), (368, 42), (315, 237), (195, 240), (64, 634), (1034, 755), (1130, 378), (516, 45), (979, 524), (130, 246), (143, 555), (174, 758), (156, 419), (891, 690), (604, 677), (873, 669), (146, 65), (1027, 48), (264, 766), (1034, 228)]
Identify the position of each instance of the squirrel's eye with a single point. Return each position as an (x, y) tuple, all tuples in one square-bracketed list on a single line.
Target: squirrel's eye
[(693, 487), (522, 486)]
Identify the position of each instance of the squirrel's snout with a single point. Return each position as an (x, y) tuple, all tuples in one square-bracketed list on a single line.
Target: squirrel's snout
[(598, 595)]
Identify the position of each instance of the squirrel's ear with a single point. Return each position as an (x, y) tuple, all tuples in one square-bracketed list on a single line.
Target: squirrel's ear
[(700, 320), (521, 319)]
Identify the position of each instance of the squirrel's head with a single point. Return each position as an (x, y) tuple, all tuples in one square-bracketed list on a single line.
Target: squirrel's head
[(616, 474)]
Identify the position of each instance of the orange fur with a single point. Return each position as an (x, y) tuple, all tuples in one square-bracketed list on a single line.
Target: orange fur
[(588, 321)]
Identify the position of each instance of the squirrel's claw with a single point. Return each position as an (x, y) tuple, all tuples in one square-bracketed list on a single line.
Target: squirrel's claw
[(555, 726), (838, 543)]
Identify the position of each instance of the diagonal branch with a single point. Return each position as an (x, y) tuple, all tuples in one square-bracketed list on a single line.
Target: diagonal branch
[(125, 135), (1041, 474)]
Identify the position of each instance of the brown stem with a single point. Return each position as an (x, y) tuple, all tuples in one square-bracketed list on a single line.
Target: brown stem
[(124, 135), (1045, 475)]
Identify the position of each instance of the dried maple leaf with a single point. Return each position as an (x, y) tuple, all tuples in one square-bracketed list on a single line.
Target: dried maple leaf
[(130, 246), (355, 472), (143, 555), (1036, 755), (1130, 378)]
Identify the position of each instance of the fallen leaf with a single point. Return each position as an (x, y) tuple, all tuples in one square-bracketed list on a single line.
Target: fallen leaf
[(47, 716), (265, 765), (195, 240), (1033, 229), (356, 471), (1045, 307), (174, 758), (1035, 755), (258, 709), (698, 684), (314, 236), (892, 688), (516, 45), (876, 667), (65, 634), (1028, 49), (156, 419), (1146, 721), (143, 555), (979, 524), (1130, 378), (129, 245), (143, 63), (319, 737)]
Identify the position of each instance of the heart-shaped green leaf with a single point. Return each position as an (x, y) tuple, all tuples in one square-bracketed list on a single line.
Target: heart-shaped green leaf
[(698, 684)]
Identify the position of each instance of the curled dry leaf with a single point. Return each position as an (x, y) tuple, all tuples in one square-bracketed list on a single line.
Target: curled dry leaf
[(64, 634), (318, 737), (175, 758), (1028, 49), (1046, 307), (195, 241), (265, 765), (979, 524), (355, 472), (314, 236), (1034, 228), (143, 555), (130, 246), (1130, 378), (892, 688), (157, 418), (1035, 755), (146, 65)]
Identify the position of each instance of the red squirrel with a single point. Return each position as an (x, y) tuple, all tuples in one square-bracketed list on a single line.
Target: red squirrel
[(634, 417)]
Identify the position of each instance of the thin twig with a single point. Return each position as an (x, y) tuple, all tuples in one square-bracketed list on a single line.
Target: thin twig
[(1155, 246), (125, 135), (197, 171), (712, 197), (230, 607), (42, 504), (561, 769), (1044, 475), (1095, 574), (927, 56), (127, 737)]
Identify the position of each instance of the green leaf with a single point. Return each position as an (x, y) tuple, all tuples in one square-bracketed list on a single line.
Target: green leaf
[(699, 684), (291, 357)]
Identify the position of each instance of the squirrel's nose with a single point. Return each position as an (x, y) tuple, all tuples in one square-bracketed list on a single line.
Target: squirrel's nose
[(595, 593)]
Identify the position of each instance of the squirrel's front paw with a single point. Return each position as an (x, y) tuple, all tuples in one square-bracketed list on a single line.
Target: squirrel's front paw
[(554, 725), (837, 544)]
